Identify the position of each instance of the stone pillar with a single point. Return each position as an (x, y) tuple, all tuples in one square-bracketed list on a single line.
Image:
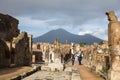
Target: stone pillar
[(72, 46), (114, 46), (30, 45), (43, 56), (51, 57), (33, 58), (30, 42)]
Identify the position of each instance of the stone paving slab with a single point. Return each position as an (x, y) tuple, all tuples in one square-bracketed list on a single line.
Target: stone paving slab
[(49, 75), (75, 74), (70, 73)]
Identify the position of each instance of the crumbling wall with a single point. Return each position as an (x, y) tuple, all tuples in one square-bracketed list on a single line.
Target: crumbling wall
[(15, 48), (21, 49), (8, 27)]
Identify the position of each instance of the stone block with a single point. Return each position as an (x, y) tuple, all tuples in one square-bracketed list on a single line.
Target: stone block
[(99, 67), (68, 69), (75, 74), (56, 66), (114, 75), (45, 68)]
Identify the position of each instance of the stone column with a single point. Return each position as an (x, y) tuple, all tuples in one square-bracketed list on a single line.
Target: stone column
[(114, 46), (30, 42), (51, 56), (33, 58)]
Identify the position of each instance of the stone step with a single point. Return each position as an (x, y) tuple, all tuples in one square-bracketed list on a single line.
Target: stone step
[(75, 74), (45, 68)]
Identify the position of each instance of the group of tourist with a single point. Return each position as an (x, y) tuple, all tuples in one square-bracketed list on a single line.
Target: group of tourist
[(79, 57)]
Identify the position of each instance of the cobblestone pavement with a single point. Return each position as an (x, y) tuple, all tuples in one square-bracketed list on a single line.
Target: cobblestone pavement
[(48, 75), (76, 72)]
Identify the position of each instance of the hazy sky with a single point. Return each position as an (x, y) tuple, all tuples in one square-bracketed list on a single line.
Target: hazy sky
[(76, 16)]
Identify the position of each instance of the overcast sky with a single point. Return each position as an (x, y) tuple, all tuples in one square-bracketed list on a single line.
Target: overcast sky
[(76, 16)]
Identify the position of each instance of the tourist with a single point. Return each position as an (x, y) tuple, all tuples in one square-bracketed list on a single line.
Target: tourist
[(80, 57), (73, 59)]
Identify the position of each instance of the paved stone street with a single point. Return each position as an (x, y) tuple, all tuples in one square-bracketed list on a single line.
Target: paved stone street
[(76, 72), (47, 75), (70, 73)]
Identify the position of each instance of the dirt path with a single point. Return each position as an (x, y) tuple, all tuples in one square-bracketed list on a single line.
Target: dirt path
[(85, 73)]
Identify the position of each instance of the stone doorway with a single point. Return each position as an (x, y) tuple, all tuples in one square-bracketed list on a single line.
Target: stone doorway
[(107, 62)]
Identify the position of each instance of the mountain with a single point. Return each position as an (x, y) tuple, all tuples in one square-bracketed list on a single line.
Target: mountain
[(64, 35)]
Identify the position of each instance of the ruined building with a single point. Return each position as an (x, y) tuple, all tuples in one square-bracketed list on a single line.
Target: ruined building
[(8, 27), (21, 51), (15, 47)]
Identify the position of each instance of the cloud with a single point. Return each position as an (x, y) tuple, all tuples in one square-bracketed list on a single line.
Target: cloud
[(27, 21), (87, 16), (78, 11), (84, 32), (100, 33), (94, 27)]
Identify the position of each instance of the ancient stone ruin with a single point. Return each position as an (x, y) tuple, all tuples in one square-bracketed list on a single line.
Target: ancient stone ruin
[(53, 55), (15, 48), (20, 46), (96, 56), (114, 46), (8, 27)]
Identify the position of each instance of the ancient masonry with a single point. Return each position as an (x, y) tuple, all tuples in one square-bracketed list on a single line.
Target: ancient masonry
[(15, 47), (53, 54), (114, 46), (96, 56)]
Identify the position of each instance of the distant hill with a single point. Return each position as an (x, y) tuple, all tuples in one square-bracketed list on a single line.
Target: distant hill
[(64, 35)]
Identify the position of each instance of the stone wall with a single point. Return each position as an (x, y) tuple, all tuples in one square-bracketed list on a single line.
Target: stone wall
[(15, 48), (38, 56), (21, 49), (96, 57), (8, 27), (58, 50)]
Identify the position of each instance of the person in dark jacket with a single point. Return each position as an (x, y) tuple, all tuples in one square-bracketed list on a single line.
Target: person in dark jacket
[(73, 58), (80, 58)]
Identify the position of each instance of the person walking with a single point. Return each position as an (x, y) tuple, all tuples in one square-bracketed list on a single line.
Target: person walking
[(80, 57), (73, 58)]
